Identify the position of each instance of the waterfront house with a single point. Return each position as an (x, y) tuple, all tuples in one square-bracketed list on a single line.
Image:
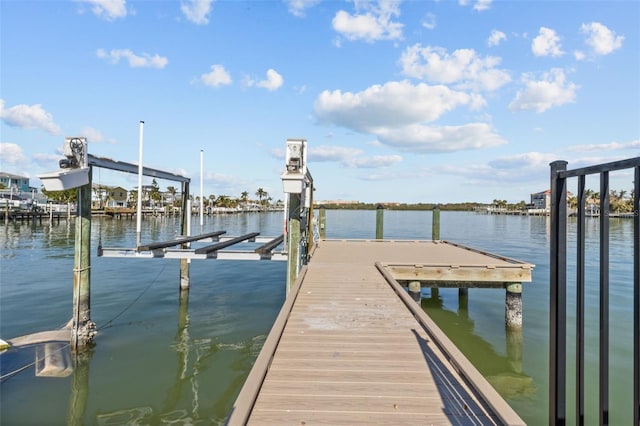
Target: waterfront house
[(15, 182), (108, 196), (541, 200)]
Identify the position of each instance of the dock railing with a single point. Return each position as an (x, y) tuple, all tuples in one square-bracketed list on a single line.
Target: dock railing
[(558, 291)]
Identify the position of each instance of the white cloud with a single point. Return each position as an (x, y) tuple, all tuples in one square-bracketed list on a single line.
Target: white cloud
[(28, 117), (422, 138), (217, 77), (547, 43), (429, 21), (298, 7), (601, 39), (374, 23), (107, 9), (323, 153), (496, 37), (613, 146), (351, 157), (46, 160), (94, 136), (479, 5), (135, 61), (393, 104), (273, 81), (551, 90), (524, 161), (347, 157), (529, 167), (196, 11), (374, 162), (579, 55), (482, 5), (11, 154), (464, 67)]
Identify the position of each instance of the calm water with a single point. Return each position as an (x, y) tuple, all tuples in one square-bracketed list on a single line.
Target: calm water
[(162, 360)]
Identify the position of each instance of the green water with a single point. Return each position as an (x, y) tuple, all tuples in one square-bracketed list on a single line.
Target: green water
[(164, 359)]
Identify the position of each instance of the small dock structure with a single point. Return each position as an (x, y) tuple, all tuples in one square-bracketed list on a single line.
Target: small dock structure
[(350, 345)]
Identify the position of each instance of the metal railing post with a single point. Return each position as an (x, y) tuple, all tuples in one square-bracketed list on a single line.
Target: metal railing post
[(558, 296), (580, 290), (636, 297), (604, 299)]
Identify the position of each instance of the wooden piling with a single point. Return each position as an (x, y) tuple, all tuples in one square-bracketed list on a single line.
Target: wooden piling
[(379, 222), (435, 223), (293, 226), (323, 222), (83, 329), (184, 224)]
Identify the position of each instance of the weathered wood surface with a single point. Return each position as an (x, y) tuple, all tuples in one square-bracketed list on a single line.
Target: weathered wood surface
[(353, 353)]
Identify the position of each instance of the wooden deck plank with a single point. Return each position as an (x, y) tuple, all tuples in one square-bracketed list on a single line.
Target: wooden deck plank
[(353, 353)]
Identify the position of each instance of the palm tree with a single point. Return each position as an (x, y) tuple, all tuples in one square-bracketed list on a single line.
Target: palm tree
[(172, 190), (260, 193), (244, 196)]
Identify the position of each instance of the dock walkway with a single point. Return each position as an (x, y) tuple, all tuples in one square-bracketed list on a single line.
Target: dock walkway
[(351, 347)]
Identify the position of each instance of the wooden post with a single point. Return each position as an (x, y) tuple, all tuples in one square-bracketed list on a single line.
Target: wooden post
[(513, 306), (379, 222), (293, 255), (184, 222), (323, 222), (435, 223), (83, 329)]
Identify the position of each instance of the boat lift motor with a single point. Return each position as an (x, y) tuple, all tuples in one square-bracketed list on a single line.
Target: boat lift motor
[(74, 167)]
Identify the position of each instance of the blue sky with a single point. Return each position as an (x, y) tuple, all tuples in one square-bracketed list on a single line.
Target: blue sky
[(407, 101)]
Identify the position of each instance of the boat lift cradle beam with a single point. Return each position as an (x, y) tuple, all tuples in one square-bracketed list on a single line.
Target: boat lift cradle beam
[(121, 166)]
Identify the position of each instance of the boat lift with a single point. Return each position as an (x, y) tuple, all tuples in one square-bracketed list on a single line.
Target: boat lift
[(76, 172), (169, 250)]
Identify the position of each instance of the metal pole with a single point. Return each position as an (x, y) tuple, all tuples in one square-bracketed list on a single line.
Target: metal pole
[(139, 206), (558, 296), (636, 297), (201, 189), (604, 298), (580, 280)]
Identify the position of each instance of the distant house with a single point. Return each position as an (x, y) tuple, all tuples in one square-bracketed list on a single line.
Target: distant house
[(15, 182), (541, 200), (108, 196)]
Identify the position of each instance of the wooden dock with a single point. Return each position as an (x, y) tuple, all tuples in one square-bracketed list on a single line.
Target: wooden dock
[(350, 346)]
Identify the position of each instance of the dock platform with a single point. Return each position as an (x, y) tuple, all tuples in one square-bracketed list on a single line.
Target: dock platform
[(351, 347)]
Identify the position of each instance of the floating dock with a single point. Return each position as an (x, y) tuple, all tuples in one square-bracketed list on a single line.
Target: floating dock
[(350, 346)]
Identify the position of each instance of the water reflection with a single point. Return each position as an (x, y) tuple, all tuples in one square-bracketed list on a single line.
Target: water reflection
[(503, 372), (79, 388)]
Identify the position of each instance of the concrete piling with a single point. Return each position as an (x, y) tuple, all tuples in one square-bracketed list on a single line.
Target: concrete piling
[(513, 306)]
